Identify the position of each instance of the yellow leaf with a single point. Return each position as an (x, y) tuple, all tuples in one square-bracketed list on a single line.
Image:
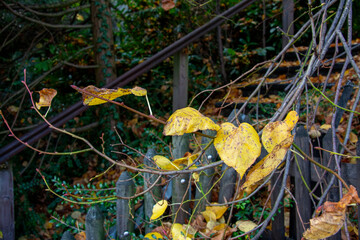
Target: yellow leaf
[(153, 235), (275, 132), (46, 96), (109, 94), (353, 138), (218, 210), (159, 209), (80, 236), (238, 147), (325, 126), (138, 91), (196, 176), (178, 233), (79, 17), (219, 227), (268, 164), (209, 215), (165, 163), (186, 161), (245, 225), (188, 120)]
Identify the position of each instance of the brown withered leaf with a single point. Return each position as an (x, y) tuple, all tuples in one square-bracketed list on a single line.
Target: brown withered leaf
[(332, 217), (46, 96), (167, 4)]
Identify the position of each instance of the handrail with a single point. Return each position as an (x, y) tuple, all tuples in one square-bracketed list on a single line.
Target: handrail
[(43, 129)]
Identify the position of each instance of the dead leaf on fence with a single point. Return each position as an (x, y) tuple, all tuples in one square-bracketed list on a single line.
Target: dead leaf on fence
[(238, 147), (80, 236), (275, 132), (109, 94), (46, 96), (153, 235), (167, 4), (159, 209), (332, 217), (188, 120), (266, 165)]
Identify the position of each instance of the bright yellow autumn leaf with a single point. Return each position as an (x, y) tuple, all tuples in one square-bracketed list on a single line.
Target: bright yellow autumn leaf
[(186, 161), (153, 235), (196, 176), (164, 163), (188, 120), (109, 94), (238, 147), (218, 210), (159, 209), (178, 232), (245, 225), (268, 164), (46, 96), (209, 215), (275, 132)]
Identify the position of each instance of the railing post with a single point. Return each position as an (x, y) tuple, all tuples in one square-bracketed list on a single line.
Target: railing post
[(287, 20), (180, 183), (125, 187), (154, 195), (94, 224)]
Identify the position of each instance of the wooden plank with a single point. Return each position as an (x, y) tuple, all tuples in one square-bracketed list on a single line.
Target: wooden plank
[(329, 160), (287, 20), (180, 80), (154, 195), (301, 192), (94, 224), (277, 226), (125, 187), (180, 183), (7, 219), (206, 177)]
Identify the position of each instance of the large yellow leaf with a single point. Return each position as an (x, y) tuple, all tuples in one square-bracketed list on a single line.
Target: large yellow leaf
[(238, 147), (188, 120), (153, 235), (209, 215), (332, 217), (159, 209), (165, 163), (46, 96), (275, 132), (246, 225), (268, 164), (109, 94)]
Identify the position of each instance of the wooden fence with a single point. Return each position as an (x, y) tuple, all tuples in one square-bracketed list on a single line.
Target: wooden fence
[(301, 170)]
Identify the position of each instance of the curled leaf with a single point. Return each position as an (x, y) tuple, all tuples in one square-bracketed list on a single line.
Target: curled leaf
[(238, 147), (275, 132), (46, 96), (159, 209), (109, 94), (268, 164), (188, 120), (332, 217)]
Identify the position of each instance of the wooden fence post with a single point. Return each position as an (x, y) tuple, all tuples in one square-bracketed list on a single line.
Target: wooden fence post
[(228, 181), (180, 183), (287, 20), (206, 176), (94, 224), (67, 236), (125, 187), (7, 220), (154, 195), (301, 192)]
